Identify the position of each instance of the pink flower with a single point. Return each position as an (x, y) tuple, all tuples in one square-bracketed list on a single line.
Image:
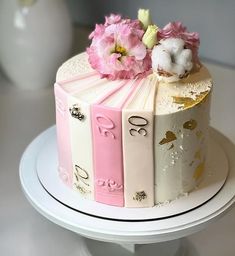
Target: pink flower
[(177, 30), (112, 19), (98, 32), (117, 51)]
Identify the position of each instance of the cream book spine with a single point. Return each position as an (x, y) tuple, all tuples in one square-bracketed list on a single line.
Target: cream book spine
[(138, 158), (81, 147), (138, 148)]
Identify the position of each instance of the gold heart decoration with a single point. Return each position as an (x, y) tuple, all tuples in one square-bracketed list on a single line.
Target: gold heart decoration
[(169, 136)]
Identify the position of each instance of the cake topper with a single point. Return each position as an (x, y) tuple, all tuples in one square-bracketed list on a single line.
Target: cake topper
[(125, 49), (177, 52), (117, 51)]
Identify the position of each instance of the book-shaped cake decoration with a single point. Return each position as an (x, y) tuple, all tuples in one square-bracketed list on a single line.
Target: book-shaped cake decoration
[(133, 113)]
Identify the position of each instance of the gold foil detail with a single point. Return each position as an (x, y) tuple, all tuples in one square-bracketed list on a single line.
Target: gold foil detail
[(139, 196), (81, 178), (191, 163), (80, 189), (190, 125), (189, 102), (197, 155), (75, 112), (172, 146), (170, 136), (199, 134), (199, 170)]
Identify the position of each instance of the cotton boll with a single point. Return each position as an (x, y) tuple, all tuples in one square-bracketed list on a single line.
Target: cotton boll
[(170, 60), (187, 54), (173, 45), (161, 58), (185, 59), (178, 69)]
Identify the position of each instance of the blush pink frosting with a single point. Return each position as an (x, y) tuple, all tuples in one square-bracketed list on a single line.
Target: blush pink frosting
[(177, 30), (117, 51)]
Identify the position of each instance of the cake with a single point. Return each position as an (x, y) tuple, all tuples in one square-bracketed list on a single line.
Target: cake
[(132, 114)]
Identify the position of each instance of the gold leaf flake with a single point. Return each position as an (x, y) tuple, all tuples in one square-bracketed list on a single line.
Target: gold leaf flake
[(199, 134), (170, 136), (190, 125), (189, 102), (197, 155), (191, 163), (199, 170), (80, 189)]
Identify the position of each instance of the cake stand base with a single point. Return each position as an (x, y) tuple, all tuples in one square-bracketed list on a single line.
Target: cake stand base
[(149, 237), (168, 248)]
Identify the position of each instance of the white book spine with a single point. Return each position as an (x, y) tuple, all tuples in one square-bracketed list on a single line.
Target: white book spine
[(81, 147), (138, 158)]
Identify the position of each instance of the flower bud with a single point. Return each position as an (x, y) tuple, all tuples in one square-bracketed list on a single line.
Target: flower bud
[(144, 17), (150, 36)]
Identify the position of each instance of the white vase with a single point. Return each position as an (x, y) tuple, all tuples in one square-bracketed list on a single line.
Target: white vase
[(35, 38)]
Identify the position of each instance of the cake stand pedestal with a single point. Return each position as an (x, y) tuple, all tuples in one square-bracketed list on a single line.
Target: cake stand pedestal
[(105, 236)]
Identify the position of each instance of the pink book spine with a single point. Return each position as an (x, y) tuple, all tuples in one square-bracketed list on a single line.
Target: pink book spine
[(63, 138), (107, 155)]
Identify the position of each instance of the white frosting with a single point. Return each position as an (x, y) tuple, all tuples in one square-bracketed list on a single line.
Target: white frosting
[(76, 65), (81, 148), (177, 161), (191, 87)]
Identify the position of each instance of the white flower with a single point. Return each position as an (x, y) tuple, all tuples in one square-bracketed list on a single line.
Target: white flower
[(170, 60)]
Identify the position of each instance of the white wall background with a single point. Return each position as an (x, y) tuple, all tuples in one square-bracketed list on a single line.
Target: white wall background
[(213, 19)]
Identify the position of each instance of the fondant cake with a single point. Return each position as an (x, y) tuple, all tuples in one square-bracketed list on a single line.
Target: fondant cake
[(132, 114)]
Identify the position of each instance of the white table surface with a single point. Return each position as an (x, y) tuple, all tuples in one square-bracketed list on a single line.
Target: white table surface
[(24, 232)]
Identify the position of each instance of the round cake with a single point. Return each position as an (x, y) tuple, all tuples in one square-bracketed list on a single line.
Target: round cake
[(132, 114)]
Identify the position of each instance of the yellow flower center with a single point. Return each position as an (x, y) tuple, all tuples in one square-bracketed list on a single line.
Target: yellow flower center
[(121, 50)]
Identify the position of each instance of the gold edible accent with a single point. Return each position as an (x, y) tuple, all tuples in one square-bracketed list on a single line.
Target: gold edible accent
[(172, 146), (170, 136), (139, 196), (199, 170), (197, 155), (191, 163), (190, 125), (199, 134), (189, 102), (81, 177), (75, 112), (80, 189)]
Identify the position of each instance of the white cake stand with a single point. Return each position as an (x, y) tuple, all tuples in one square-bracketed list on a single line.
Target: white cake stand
[(160, 236)]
